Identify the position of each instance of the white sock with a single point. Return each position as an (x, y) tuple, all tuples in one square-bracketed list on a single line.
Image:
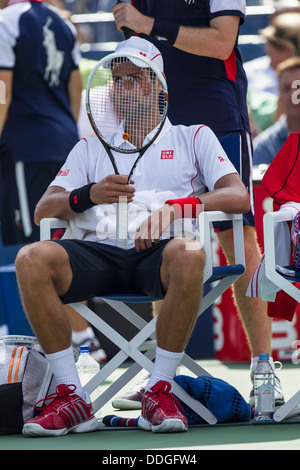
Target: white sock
[(64, 369), (165, 366)]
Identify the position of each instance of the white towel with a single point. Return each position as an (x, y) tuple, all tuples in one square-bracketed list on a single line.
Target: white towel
[(99, 222)]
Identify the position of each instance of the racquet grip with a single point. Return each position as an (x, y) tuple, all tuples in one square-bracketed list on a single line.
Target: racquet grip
[(122, 222), (127, 31)]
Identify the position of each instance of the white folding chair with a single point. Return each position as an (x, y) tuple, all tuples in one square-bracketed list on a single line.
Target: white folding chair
[(141, 348), (284, 282)]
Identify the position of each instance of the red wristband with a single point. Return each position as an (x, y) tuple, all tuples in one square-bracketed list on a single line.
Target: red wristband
[(189, 207)]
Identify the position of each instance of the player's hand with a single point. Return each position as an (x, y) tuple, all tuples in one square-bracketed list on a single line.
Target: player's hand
[(151, 228), (127, 15), (111, 188)]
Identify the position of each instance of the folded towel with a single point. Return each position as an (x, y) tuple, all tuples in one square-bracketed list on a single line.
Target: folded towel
[(221, 398)]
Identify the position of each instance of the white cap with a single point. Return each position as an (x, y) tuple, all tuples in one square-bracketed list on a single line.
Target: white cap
[(139, 46)]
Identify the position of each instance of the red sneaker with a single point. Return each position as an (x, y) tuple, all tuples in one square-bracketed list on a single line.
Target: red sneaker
[(161, 411), (67, 412)]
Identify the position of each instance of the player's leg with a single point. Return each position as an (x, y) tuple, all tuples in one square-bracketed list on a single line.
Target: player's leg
[(45, 275), (182, 280)]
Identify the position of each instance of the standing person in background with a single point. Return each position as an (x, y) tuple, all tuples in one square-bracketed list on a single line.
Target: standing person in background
[(267, 144), (39, 59), (207, 83)]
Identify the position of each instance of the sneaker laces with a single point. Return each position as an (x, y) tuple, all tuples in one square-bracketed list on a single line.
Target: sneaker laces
[(167, 400), (62, 392), (276, 366), (277, 383)]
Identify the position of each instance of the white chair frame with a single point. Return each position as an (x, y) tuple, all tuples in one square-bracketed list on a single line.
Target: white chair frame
[(269, 221)]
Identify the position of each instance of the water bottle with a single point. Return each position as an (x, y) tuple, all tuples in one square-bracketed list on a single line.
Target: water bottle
[(264, 390), (87, 366)]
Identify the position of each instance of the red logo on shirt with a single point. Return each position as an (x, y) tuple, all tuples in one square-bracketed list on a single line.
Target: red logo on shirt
[(63, 173), (167, 154), (222, 159)]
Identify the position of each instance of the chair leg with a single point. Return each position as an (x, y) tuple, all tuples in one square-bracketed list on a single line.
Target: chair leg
[(195, 405), (190, 364), (287, 408)]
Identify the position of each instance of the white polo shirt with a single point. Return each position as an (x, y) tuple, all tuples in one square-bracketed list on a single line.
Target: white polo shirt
[(182, 161)]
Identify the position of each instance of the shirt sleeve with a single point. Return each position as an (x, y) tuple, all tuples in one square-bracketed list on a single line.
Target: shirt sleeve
[(74, 173), (227, 8), (76, 55), (9, 32), (212, 160)]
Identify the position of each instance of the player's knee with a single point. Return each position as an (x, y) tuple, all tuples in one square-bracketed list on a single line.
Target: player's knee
[(31, 261), (184, 256)]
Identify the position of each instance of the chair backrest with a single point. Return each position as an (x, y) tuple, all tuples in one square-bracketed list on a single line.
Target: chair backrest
[(231, 143)]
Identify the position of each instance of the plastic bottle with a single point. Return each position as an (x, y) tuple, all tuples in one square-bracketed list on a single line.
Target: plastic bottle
[(87, 366), (264, 390)]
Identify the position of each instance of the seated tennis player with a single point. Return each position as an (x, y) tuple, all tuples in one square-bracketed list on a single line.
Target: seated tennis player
[(165, 173)]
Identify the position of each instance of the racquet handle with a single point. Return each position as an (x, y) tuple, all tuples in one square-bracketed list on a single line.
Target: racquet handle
[(127, 31), (122, 222)]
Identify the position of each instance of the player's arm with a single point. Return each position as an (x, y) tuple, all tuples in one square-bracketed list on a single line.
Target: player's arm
[(216, 41), (57, 202), (229, 195), (6, 80), (54, 203)]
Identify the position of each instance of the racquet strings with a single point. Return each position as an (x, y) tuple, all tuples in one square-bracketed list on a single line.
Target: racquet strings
[(126, 103)]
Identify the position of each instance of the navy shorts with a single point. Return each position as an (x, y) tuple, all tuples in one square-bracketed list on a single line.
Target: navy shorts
[(100, 269), (247, 155)]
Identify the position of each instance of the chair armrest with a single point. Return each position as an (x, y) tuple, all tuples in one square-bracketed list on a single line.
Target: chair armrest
[(50, 223), (269, 221), (205, 219)]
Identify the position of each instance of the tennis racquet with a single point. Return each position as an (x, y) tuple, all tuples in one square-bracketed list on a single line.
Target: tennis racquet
[(126, 100)]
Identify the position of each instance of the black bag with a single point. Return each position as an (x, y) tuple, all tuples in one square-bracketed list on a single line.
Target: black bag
[(25, 378)]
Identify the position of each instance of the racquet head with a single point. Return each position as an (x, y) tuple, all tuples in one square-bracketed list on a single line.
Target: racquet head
[(127, 101)]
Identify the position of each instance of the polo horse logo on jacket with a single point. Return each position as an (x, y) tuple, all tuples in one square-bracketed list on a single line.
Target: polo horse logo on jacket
[(55, 57)]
